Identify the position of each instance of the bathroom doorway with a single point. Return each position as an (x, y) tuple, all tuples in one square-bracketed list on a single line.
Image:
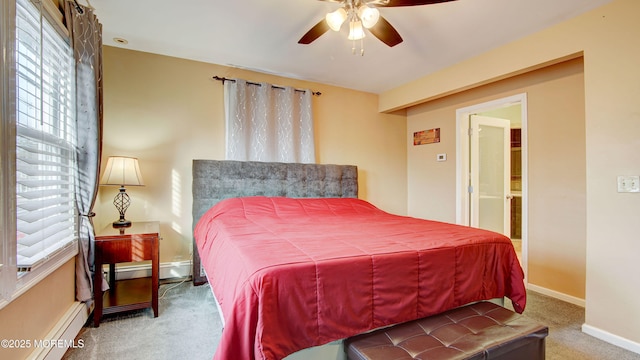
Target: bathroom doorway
[(499, 200)]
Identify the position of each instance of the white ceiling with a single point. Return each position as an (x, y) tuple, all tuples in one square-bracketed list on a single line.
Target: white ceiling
[(262, 35)]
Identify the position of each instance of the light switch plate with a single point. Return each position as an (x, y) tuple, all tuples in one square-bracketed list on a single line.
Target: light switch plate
[(628, 184), (441, 157)]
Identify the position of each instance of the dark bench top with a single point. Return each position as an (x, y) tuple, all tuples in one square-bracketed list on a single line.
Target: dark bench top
[(478, 331)]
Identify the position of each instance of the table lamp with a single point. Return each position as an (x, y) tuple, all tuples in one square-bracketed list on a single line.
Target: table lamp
[(122, 171)]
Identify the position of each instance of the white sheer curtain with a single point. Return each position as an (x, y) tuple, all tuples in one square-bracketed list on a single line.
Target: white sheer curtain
[(268, 123)]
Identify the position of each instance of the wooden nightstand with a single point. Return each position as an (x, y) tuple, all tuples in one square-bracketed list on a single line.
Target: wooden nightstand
[(139, 242)]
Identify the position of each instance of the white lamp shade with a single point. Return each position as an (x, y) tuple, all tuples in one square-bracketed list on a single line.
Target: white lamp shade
[(122, 171), (368, 15), (356, 32), (336, 18)]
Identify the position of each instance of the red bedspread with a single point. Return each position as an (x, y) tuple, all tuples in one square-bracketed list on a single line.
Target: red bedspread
[(295, 273)]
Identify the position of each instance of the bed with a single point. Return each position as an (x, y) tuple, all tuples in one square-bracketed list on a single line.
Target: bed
[(296, 260)]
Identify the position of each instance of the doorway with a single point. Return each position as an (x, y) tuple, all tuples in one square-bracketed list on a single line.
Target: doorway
[(491, 169), (490, 173)]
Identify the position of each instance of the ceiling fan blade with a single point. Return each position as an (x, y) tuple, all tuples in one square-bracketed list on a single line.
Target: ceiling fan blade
[(396, 3), (384, 31), (315, 32)]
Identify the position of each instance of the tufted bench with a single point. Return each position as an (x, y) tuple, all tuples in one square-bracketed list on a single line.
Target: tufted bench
[(478, 331)]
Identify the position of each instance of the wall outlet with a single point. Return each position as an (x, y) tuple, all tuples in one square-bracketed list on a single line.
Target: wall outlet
[(441, 157), (628, 184)]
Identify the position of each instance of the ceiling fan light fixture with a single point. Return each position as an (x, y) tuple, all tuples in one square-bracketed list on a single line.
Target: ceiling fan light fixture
[(356, 31), (336, 18), (368, 15)]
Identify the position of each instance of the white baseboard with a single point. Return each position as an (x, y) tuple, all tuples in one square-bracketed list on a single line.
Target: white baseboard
[(63, 335), (556, 294), (170, 270), (611, 338)]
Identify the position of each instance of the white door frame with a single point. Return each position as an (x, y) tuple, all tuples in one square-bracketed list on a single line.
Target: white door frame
[(462, 162)]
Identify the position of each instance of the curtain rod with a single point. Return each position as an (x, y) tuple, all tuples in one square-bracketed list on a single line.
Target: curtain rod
[(223, 79)]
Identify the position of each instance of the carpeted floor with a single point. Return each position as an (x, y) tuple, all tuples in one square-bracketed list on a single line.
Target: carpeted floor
[(566, 341), (188, 327)]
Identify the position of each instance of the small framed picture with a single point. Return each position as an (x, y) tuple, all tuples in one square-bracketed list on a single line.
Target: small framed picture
[(426, 137)]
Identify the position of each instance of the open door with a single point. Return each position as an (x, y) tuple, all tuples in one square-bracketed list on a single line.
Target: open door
[(490, 174)]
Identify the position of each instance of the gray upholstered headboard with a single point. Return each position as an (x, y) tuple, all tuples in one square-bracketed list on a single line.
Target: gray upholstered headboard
[(215, 180)]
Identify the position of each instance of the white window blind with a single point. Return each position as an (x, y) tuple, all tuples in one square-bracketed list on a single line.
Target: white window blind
[(45, 139)]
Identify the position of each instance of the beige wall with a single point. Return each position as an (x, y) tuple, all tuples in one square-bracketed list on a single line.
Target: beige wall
[(168, 111), (556, 157), (33, 314), (608, 38)]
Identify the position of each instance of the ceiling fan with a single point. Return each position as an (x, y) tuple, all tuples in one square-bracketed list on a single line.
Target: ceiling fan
[(363, 13)]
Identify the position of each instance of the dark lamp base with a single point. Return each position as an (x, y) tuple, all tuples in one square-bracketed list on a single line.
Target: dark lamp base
[(121, 223)]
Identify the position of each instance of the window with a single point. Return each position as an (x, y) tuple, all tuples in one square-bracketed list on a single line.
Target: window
[(40, 128)]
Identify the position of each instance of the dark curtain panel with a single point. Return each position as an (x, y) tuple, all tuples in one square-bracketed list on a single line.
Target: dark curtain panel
[(86, 37)]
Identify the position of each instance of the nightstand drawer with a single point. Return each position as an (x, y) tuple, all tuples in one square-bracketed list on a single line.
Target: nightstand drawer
[(138, 248)]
